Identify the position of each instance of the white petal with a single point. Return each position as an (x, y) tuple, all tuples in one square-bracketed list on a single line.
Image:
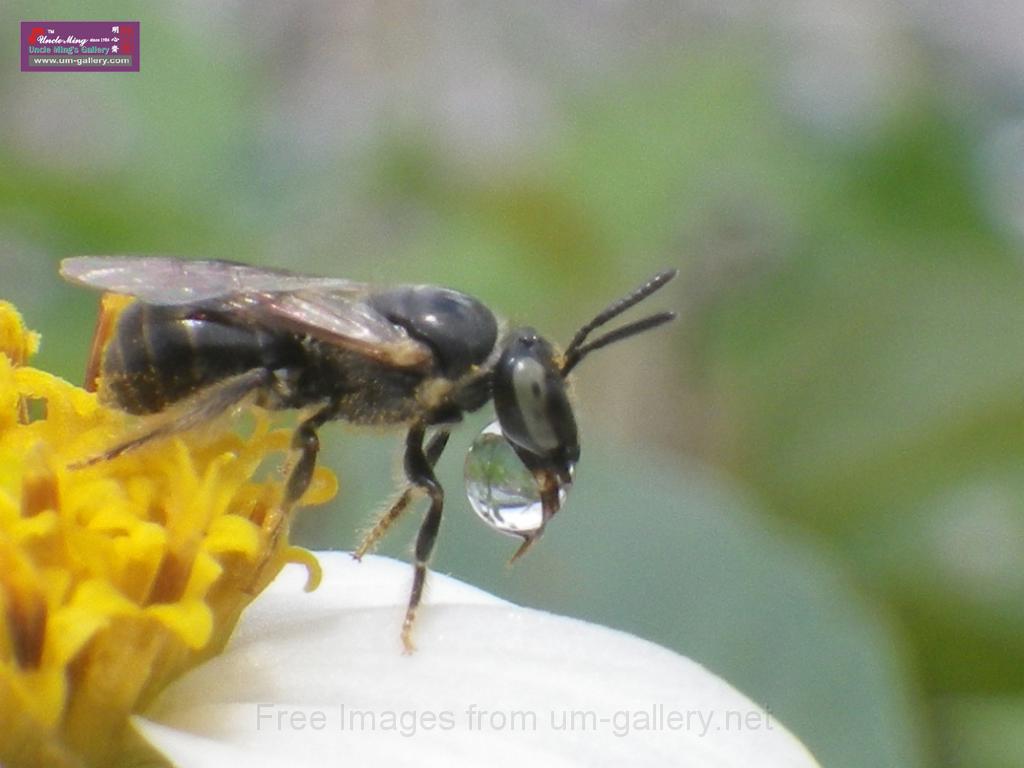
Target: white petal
[(490, 684)]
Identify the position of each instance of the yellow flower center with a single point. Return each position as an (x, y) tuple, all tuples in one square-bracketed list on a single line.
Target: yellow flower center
[(119, 575)]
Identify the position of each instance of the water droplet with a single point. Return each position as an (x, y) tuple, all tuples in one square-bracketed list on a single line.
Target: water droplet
[(501, 490)]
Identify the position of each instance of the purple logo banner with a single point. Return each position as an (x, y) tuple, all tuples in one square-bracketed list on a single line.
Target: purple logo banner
[(79, 46)]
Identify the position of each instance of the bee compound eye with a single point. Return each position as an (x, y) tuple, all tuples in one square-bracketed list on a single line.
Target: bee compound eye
[(500, 488), (530, 399)]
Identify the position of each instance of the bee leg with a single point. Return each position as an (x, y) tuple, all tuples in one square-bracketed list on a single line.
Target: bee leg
[(420, 473), (435, 447), (307, 443), (206, 405)]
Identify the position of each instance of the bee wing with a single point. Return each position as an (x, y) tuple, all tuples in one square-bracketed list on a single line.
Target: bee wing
[(337, 318), (333, 310), (166, 280)]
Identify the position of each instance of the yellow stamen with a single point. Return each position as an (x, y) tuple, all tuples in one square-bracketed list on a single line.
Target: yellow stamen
[(117, 577)]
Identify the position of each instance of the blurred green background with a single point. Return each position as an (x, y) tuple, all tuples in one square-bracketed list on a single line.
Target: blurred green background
[(813, 482)]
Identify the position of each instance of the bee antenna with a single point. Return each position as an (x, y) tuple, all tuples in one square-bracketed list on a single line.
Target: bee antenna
[(577, 349), (619, 306), (630, 329)]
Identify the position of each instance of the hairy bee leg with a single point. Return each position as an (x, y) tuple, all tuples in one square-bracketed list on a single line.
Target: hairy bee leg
[(420, 473), (204, 406), (382, 525), (435, 447)]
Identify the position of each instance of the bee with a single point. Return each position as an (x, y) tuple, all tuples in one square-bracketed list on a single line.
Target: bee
[(207, 336)]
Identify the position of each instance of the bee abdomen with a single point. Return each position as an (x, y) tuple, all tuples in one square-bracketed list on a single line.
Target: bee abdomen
[(162, 354)]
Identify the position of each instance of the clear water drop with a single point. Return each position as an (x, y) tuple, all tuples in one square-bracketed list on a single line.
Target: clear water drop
[(501, 490)]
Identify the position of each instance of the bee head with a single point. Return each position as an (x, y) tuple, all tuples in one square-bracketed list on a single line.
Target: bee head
[(532, 405), (529, 383), (534, 413)]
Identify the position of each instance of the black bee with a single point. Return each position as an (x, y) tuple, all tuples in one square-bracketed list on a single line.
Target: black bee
[(204, 336)]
